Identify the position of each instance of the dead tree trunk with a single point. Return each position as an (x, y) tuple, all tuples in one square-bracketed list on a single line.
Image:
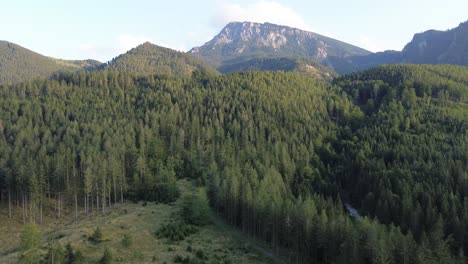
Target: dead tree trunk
[(76, 206), (9, 203), (24, 213)]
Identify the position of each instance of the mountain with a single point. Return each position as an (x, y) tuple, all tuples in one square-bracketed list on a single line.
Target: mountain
[(298, 65), (245, 41), (439, 47), (20, 64), (148, 58), (429, 47), (359, 63)]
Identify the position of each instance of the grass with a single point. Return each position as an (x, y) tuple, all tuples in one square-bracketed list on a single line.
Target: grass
[(211, 243)]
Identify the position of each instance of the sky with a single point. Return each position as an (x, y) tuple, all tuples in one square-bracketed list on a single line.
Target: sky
[(103, 29)]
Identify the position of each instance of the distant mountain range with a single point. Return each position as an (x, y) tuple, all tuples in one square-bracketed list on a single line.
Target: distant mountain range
[(20, 64), (430, 47), (249, 46), (241, 43)]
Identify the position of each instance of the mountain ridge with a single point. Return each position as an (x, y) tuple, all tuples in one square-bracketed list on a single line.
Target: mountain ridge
[(428, 47), (20, 64), (149, 58), (250, 39)]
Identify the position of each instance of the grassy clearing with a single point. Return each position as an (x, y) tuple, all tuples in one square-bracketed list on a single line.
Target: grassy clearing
[(138, 221)]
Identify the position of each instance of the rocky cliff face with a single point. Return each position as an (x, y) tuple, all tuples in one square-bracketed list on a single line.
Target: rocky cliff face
[(247, 40), (429, 47), (439, 47)]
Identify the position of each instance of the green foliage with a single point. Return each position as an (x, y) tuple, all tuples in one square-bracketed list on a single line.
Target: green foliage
[(19, 64), (127, 241), (106, 257), (151, 59), (195, 208), (29, 257), (278, 154), (72, 257), (303, 66), (159, 187), (69, 254), (175, 231), (56, 254), (97, 236), (189, 260), (30, 237)]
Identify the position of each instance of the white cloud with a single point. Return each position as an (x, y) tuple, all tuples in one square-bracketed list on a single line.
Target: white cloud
[(259, 11), (369, 44), (93, 51)]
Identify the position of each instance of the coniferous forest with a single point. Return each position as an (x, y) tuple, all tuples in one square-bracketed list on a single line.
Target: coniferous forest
[(283, 157)]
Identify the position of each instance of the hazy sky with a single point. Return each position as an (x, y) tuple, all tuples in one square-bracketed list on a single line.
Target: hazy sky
[(102, 29)]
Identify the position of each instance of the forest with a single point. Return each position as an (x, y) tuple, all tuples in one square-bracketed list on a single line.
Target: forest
[(280, 154)]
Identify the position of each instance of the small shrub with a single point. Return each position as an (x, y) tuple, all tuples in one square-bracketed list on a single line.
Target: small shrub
[(188, 260), (200, 254), (29, 257), (195, 208), (175, 231), (137, 255), (69, 254), (127, 241), (30, 237), (106, 257), (96, 237), (178, 259), (55, 254), (78, 257)]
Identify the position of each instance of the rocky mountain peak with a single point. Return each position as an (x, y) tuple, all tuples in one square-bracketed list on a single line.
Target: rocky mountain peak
[(250, 39)]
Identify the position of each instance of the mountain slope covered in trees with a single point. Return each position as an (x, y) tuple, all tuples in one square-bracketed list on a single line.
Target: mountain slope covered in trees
[(19, 64), (148, 58), (279, 154), (301, 66), (406, 163)]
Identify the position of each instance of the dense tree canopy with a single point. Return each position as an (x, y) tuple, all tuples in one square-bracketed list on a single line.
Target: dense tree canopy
[(279, 154), (148, 59), (18, 64)]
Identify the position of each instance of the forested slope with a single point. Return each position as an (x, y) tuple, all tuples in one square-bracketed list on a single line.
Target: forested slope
[(301, 66), (148, 58), (278, 152), (406, 163), (19, 64)]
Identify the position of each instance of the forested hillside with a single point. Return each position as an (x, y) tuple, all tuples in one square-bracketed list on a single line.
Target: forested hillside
[(406, 163), (148, 58), (19, 64), (279, 153), (301, 66)]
